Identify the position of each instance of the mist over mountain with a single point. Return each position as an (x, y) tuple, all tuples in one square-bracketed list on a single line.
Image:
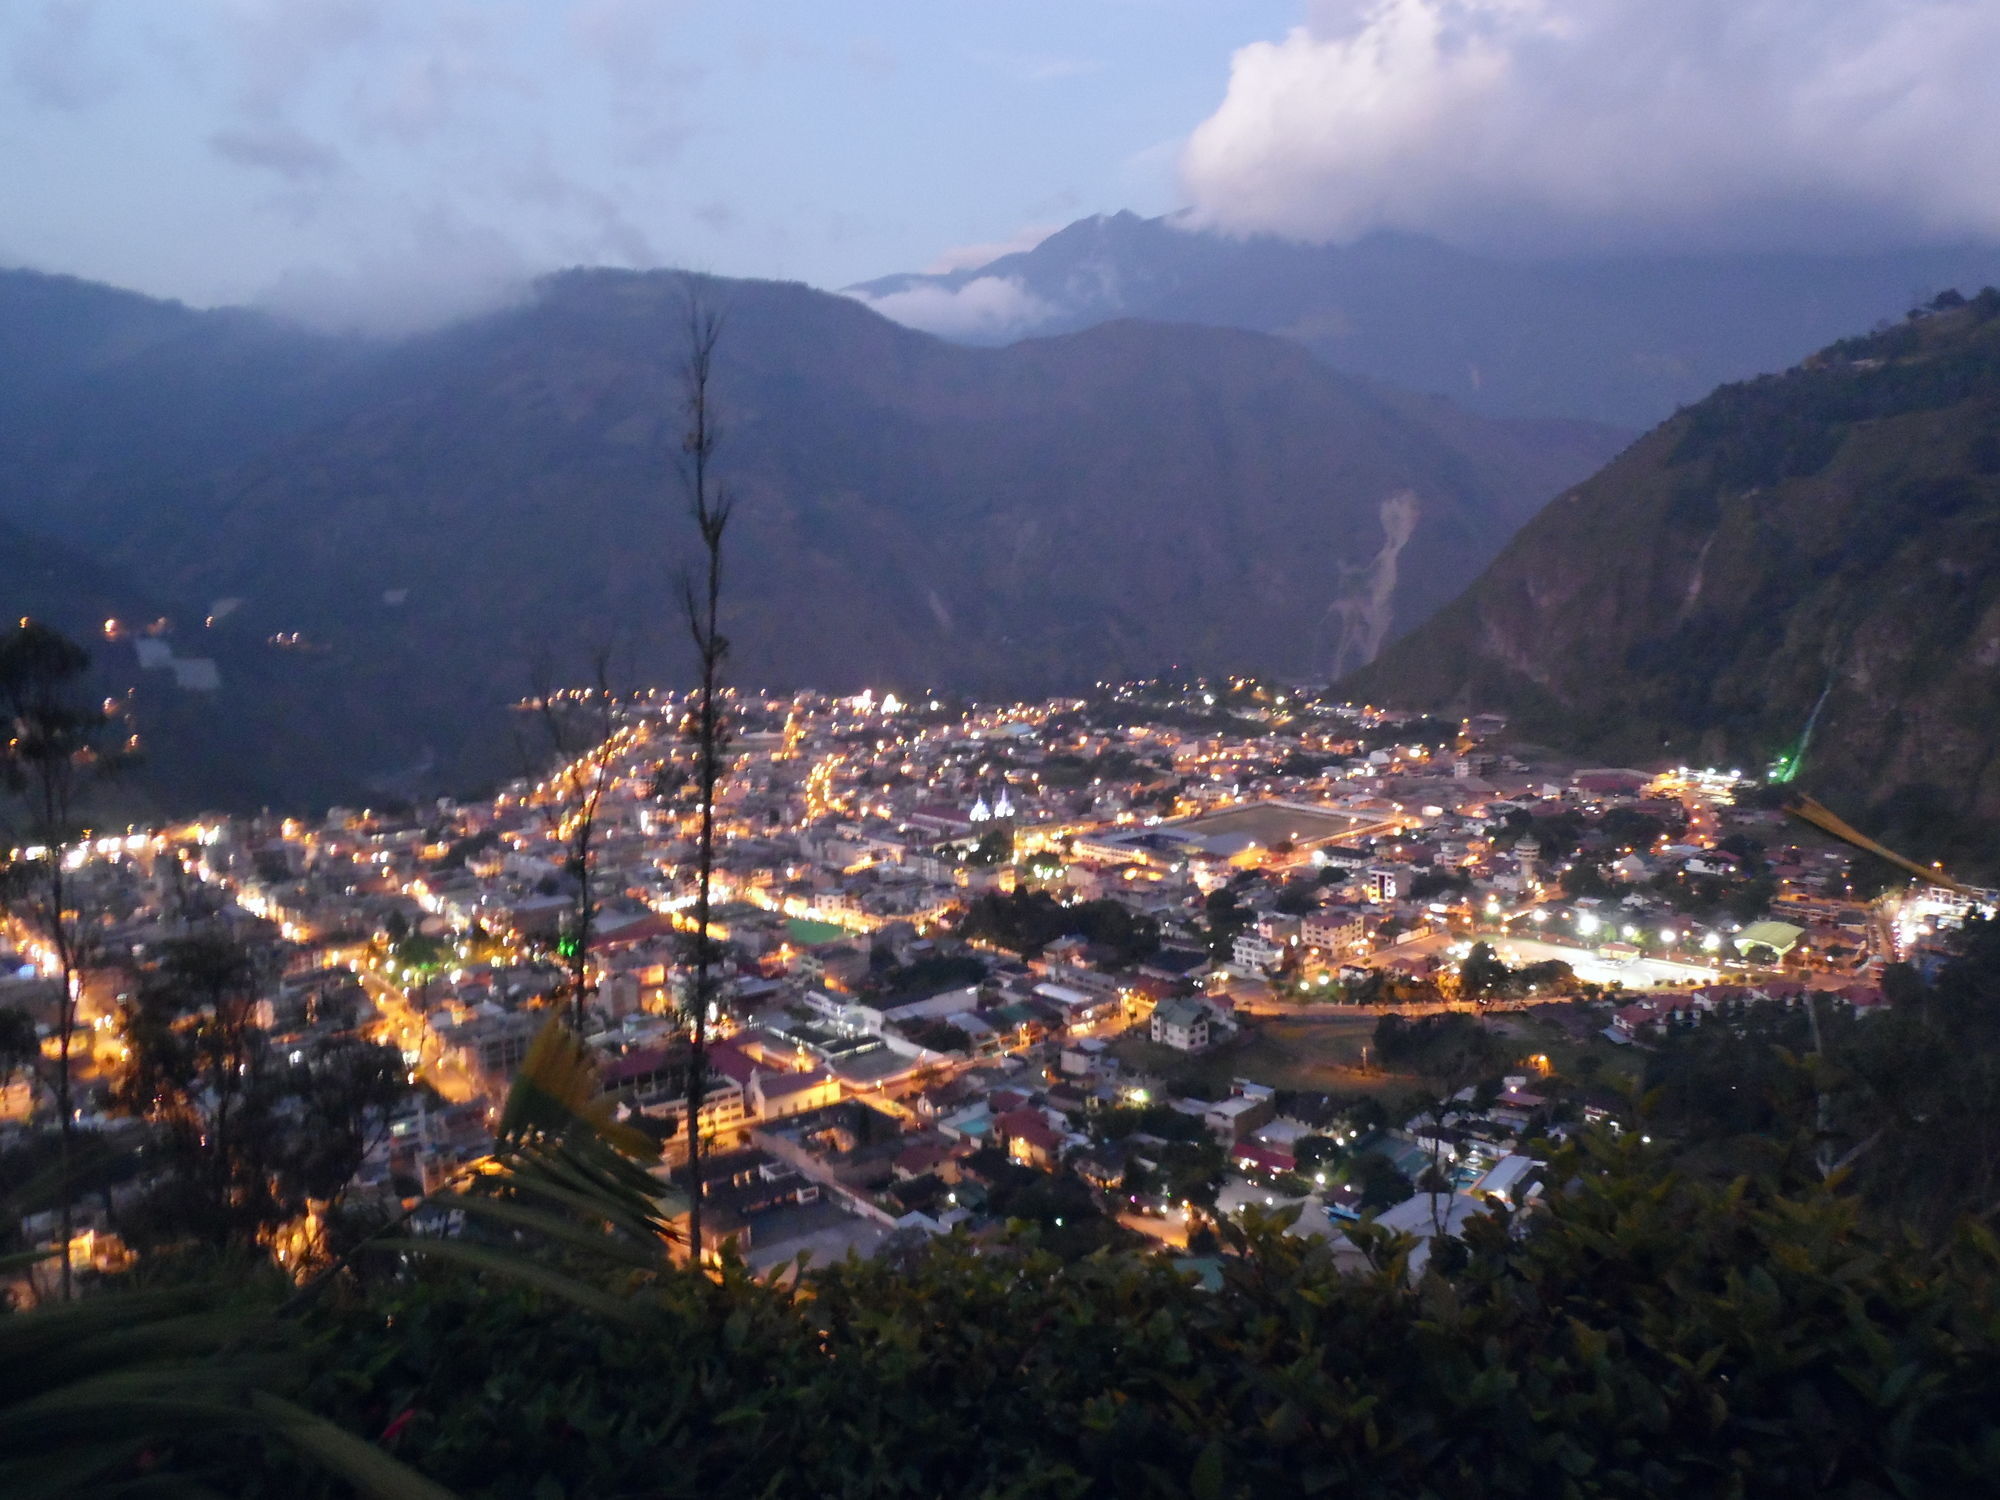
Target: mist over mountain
[(1618, 338), (381, 543), (1817, 550)]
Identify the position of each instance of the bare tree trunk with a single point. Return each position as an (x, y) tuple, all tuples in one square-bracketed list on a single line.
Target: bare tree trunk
[(53, 747), (65, 1029), (711, 508), (585, 769)]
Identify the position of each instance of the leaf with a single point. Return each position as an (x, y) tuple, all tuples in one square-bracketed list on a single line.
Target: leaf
[(569, 1231), (361, 1464), (1205, 1479), (517, 1267), (558, 1091)]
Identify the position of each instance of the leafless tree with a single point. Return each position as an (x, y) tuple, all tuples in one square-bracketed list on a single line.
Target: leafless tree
[(701, 598), (55, 748), (579, 732)]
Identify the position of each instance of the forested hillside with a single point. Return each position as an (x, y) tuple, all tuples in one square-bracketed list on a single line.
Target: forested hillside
[(1801, 569)]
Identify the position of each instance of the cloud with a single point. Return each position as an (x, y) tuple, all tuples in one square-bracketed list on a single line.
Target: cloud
[(985, 307), (369, 163), (719, 214), (971, 257), (283, 46), (1553, 123), (1036, 67), (276, 148), (53, 60), (439, 268)]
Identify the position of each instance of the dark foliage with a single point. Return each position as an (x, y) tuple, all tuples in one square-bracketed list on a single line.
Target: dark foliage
[(1025, 922), (1652, 1336)]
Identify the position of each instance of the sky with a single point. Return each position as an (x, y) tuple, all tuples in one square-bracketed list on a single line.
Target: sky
[(389, 162)]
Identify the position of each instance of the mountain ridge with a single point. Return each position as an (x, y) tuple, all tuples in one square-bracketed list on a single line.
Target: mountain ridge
[(1622, 338), (432, 518), (1819, 548)]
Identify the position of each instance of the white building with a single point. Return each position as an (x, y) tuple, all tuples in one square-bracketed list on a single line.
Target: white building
[(1182, 1024), (1254, 953)]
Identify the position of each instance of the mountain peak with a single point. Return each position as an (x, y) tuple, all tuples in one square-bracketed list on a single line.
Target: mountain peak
[(1623, 339)]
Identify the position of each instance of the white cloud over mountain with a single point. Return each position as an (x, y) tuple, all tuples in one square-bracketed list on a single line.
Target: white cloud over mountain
[(1577, 123), (984, 307)]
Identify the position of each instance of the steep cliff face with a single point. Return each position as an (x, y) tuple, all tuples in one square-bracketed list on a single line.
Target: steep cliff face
[(1828, 538)]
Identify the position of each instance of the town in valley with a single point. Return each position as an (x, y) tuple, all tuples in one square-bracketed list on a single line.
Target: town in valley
[(1129, 963)]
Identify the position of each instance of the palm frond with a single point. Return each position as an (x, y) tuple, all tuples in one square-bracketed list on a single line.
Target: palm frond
[(1822, 817), (88, 1390), (561, 1228), (558, 1093), (559, 1139), (361, 1464), (515, 1267)]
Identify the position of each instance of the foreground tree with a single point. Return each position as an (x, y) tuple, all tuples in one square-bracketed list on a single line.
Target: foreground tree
[(248, 1139), (710, 506), (54, 745)]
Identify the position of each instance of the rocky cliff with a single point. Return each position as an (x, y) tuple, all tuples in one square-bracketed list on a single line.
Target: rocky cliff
[(1820, 547)]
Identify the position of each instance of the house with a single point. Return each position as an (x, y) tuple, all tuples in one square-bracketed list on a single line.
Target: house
[(1230, 1120), (1779, 937), (1028, 1137), (1866, 999), (777, 1092), (1631, 868), (1182, 1024), (1175, 965), (933, 1158), (1338, 930), (1507, 1180), (1277, 927), (1259, 1156), (493, 1044), (1713, 862), (1387, 883), (736, 1188), (1103, 1166), (1629, 1022), (1254, 953), (1428, 1214)]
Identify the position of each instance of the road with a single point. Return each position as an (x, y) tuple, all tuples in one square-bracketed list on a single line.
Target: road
[(1171, 1232), (402, 1026)]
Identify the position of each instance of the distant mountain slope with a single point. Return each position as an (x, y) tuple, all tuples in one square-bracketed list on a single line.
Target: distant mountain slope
[(104, 391), (435, 518), (245, 734), (1829, 534), (1621, 339)]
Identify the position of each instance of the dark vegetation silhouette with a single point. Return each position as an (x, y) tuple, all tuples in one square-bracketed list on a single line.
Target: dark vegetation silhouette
[(58, 744)]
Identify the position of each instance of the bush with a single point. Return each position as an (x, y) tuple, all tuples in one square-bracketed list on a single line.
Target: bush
[(1653, 1336)]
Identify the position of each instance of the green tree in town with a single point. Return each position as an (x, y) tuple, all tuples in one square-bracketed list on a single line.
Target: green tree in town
[(246, 1138), (1481, 975)]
